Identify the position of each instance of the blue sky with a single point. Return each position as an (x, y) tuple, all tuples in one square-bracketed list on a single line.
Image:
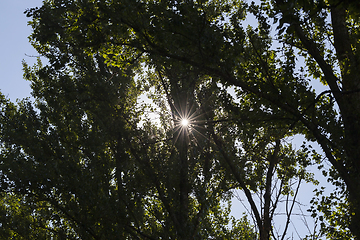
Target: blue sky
[(14, 45)]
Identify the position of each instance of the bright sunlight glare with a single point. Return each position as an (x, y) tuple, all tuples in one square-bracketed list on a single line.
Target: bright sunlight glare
[(184, 122)]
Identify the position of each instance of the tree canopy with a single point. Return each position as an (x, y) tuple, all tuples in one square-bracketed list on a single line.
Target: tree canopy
[(86, 160)]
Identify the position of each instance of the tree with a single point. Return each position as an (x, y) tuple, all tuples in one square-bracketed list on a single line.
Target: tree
[(127, 183), (195, 51), (84, 167), (251, 154), (209, 36)]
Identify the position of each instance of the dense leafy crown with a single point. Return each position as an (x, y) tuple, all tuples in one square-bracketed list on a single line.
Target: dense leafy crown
[(87, 160)]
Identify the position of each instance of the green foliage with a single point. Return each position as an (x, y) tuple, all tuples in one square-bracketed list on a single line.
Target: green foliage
[(89, 152), (23, 220)]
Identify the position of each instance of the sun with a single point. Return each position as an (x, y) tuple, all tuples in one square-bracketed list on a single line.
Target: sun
[(184, 122)]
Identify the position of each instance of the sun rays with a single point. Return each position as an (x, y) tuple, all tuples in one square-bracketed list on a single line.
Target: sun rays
[(185, 118), (189, 124)]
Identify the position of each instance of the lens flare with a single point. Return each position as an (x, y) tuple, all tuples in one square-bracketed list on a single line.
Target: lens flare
[(184, 122)]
